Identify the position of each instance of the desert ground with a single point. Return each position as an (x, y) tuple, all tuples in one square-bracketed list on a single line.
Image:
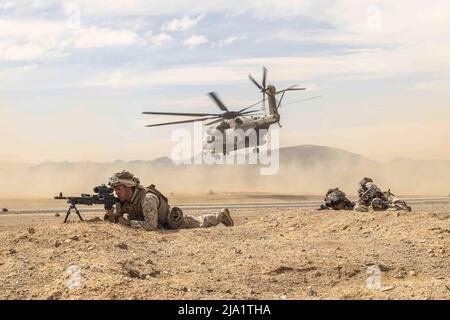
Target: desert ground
[(270, 253)]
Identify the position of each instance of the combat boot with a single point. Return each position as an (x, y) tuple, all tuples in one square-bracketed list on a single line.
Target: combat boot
[(225, 217)]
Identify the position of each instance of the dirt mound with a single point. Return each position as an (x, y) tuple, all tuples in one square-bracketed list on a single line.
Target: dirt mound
[(282, 254)]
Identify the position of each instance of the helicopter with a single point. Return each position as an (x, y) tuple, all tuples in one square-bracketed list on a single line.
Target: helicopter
[(243, 119)]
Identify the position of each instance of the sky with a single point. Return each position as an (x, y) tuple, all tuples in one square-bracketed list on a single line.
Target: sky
[(76, 75)]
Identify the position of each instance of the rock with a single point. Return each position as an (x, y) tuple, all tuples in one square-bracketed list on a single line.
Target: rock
[(162, 239), (388, 288), (31, 230), (122, 246), (75, 238), (57, 214), (4, 209), (400, 275), (411, 273), (149, 261), (280, 270), (383, 267), (154, 273), (91, 247), (311, 293), (283, 296), (291, 229), (12, 251), (132, 271), (57, 243)]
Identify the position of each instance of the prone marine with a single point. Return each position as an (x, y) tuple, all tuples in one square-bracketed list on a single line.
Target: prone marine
[(147, 208)]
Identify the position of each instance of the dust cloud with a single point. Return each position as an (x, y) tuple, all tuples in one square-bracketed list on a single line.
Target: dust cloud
[(303, 170)]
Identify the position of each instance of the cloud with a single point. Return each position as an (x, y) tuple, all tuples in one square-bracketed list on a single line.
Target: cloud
[(36, 39), (254, 8), (7, 5), (348, 65), (195, 41), (182, 24), (227, 41), (94, 37), (161, 39), (185, 75), (21, 52)]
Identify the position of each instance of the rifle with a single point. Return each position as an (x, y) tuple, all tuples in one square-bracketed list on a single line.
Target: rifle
[(104, 195)]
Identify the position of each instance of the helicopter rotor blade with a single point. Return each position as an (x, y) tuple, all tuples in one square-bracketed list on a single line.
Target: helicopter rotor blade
[(189, 114), (246, 108), (255, 82), (177, 122), (289, 89), (213, 122), (248, 112), (264, 77), (264, 101), (216, 99), (297, 101)]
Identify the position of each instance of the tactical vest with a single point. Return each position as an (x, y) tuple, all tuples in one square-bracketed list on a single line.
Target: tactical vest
[(371, 192), (134, 207)]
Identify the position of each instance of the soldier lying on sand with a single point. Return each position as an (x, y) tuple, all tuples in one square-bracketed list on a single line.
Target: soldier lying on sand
[(372, 196), (336, 199), (147, 208)]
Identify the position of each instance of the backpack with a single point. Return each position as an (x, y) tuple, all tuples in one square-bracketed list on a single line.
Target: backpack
[(152, 189)]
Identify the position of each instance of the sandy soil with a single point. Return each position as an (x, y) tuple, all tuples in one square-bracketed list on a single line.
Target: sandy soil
[(269, 254)]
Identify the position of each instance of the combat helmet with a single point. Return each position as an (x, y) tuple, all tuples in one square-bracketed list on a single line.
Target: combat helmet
[(124, 178), (364, 181)]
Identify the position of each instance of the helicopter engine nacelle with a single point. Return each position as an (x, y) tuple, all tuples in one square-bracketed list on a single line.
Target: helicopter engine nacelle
[(239, 122)]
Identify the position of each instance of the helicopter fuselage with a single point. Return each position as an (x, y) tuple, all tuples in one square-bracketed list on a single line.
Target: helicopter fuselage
[(240, 130)]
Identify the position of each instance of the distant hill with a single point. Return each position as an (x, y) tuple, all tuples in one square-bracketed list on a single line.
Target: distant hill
[(304, 169)]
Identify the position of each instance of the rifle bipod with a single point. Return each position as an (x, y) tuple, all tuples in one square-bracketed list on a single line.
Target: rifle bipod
[(72, 206)]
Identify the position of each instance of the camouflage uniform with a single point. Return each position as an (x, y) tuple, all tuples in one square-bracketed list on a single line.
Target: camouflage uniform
[(148, 211), (372, 196), (336, 199), (395, 203)]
